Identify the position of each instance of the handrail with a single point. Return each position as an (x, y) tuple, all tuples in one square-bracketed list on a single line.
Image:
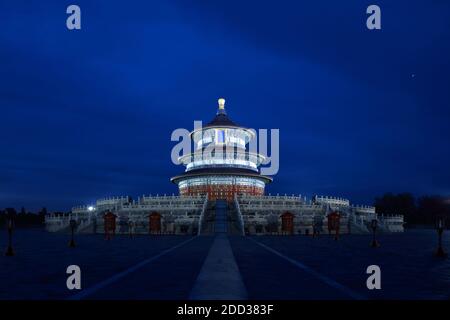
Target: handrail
[(202, 214), (241, 219)]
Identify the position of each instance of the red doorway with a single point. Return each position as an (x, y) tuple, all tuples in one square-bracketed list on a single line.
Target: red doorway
[(287, 222), (109, 224), (154, 223)]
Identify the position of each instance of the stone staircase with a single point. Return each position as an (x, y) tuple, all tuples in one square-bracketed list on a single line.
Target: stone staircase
[(357, 226), (221, 216), (235, 225)]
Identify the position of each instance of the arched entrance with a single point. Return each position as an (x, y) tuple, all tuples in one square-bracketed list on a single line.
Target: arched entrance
[(287, 223), (154, 223)]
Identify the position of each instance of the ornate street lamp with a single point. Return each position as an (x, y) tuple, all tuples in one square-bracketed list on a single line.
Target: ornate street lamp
[(440, 229), (130, 228), (73, 225), (374, 226), (10, 251)]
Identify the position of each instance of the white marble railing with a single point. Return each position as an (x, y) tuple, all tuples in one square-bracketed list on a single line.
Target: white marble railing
[(162, 207), (270, 198)]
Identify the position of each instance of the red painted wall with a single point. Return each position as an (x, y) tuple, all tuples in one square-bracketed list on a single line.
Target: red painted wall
[(221, 191)]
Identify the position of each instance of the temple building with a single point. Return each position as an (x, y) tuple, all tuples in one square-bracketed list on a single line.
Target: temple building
[(221, 166), (222, 190)]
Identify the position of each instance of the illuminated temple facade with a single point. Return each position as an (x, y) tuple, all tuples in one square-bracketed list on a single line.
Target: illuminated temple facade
[(221, 165), (222, 190)]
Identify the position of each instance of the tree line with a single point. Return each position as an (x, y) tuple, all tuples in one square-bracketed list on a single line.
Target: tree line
[(23, 218), (423, 210)]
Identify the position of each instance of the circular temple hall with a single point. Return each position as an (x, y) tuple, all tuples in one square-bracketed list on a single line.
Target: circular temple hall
[(222, 165)]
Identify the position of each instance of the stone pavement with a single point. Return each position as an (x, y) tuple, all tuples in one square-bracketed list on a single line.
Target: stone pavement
[(263, 267), (219, 278)]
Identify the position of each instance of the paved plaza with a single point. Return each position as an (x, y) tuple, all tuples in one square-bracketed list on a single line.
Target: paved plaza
[(260, 267)]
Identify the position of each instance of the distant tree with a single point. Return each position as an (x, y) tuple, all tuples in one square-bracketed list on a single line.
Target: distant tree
[(2, 217), (429, 208), (43, 211), (23, 211), (423, 211), (402, 203), (6, 213), (11, 211)]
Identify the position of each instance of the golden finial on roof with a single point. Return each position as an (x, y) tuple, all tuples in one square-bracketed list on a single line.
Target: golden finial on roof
[(221, 104)]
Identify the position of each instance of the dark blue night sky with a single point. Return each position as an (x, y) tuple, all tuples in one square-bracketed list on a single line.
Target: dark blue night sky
[(87, 114)]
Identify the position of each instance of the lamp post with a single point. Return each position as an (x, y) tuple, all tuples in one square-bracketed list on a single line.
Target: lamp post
[(317, 228), (73, 225), (373, 226), (440, 229), (9, 250), (130, 228), (336, 227)]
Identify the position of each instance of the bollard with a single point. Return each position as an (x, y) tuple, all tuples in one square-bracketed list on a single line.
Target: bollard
[(374, 225), (440, 230), (73, 225), (9, 250), (130, 228)]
